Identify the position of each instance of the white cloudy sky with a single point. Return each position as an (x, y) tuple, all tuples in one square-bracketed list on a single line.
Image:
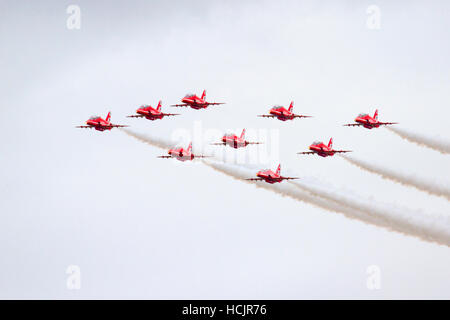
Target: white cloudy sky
[(141, 227)]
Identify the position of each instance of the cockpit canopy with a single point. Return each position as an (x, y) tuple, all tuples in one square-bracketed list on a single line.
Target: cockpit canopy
[(277, 107), (94, 117), (316, 143), (228, 133), (144, 106), (361, 115), (189, 95)]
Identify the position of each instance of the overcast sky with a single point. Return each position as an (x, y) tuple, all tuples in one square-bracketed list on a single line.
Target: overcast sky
[(142, 227)]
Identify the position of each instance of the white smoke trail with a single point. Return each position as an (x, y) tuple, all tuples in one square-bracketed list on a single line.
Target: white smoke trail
[(438, 144), (153, 141), (406, 180), (430, 228), (242, 173), (434, 228)]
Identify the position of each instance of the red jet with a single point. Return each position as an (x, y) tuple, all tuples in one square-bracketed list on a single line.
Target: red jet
[(99, 124), (182, 154), (363, 119), (323, 150), (151, 113), (270, 177), (282, 114), (234, 141), (191, 100)]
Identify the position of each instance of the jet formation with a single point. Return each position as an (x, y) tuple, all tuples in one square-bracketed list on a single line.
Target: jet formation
[(231, 139)]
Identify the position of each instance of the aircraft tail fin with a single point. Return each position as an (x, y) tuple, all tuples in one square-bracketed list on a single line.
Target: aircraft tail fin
[(291, 106), (203, 94), (159, 106), (243, 134), (108, 117), (375, 115), (278, 169), (189, 149), (330, 144)]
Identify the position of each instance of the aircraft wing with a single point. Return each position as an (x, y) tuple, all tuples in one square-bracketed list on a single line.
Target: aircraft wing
[(201, 156), (267, 116), (386, 123), (254, 179), (136, 116), (180, 105), (352, 124), (85, 127), (306, 152), (289, 178), (165, 157), (247, 142), (118, 126), (342, 151), (214, 103), (170, 114), (301, 116), (218, 143)]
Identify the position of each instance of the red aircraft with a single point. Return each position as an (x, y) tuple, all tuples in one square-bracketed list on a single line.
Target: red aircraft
[(182, 154), (282, 114), (323, 150), (270, 177), (363, 119), (99, 124), (235, 141), (151, 113), (191, 100)]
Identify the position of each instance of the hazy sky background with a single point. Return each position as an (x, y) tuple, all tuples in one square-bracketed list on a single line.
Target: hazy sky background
[(141, 227)]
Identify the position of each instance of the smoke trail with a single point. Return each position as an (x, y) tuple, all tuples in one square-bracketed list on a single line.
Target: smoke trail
[(242, 173), (155, 142), (430, 228), (434, 228), (437, 144), (406, 180)]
